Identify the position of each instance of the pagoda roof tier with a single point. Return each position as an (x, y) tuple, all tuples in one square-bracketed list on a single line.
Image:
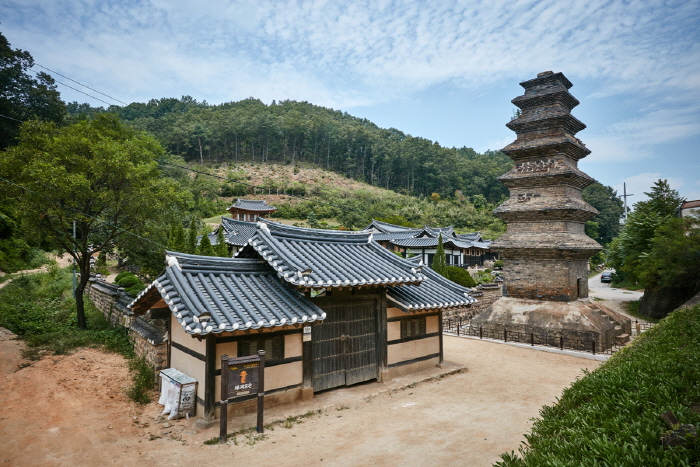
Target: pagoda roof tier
[(546, 79), (547, 146), (566, 211), (551, 119), (569, 177), (544, 97), (539, 243)]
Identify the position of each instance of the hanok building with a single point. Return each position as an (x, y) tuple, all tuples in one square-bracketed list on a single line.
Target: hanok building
[(370, 314), (250, 210), (236, 234), (464, 250)]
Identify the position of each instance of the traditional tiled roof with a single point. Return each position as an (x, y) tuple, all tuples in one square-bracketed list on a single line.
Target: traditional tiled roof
[(208, 294), (436, 231), (237, 232), (431, 242), (381, 236), (435, 292), (324, 258), (387, 228), (252, 205), (471, 237)]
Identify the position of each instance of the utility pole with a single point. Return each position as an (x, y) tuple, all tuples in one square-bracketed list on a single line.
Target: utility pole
[(624, 196)]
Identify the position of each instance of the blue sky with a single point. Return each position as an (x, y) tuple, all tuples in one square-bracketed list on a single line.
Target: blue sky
[(442, 70)]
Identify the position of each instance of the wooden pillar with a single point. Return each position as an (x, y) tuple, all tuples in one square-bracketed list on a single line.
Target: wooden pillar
[(440, 324), (382, 354), (210, 378)]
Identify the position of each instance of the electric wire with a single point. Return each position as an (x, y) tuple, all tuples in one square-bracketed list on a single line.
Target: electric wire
[(81, 84), (5, 116), (86, 215), (74, 89)]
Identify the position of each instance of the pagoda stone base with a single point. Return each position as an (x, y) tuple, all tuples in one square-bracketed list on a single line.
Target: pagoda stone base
[(578, 322)]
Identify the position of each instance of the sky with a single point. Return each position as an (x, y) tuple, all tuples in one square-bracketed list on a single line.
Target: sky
[(442, 70)]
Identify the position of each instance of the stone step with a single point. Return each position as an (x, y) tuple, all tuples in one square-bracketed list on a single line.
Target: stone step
[(622, 339)]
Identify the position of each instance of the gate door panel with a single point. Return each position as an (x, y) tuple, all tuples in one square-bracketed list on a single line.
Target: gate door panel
[(344, 350)]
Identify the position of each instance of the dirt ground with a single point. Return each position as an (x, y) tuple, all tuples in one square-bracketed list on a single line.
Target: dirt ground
[(71, 410)]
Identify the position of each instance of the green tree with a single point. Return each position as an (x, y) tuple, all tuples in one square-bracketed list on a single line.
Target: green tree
[(221, 248), (177, 238), (205, 248), (312, 220), (191, 243), (610, 210), (23, 96), (439, 260), (99, 174), (663, 199)]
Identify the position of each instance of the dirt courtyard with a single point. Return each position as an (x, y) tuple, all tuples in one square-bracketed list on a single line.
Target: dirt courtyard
[(71, 411)]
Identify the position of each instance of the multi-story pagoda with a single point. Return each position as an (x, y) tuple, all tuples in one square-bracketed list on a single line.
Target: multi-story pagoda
[(545, 250)]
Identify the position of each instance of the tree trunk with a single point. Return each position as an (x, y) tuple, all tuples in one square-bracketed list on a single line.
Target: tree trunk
[(84, 268), (201, 155)]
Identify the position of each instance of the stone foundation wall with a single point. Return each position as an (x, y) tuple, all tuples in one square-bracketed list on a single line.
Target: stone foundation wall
[(487, 297), (149, 336)]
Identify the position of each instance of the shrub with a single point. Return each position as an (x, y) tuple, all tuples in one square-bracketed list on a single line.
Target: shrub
[(498, 264), (460, 276), (611, 416), (132, 284)]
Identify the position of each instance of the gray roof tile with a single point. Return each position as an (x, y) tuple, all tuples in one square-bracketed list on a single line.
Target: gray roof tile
[(252, 205), (435, 292), (230, 293)]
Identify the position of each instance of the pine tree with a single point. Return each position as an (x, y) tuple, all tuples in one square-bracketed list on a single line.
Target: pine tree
[(177, 238), (191, 244), (312, 220), (205, 247), (439, 261), (221, 249)]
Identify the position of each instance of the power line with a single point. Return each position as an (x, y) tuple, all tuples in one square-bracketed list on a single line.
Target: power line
[(74, 89), (373, 214), (76, 82), (5, 116), (86, 215)]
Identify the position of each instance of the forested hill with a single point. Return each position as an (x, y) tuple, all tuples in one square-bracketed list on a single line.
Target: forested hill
[(291, 132)]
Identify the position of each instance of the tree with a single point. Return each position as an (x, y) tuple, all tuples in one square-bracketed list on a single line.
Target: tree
[(98, 174), (205, 248), (177, 238), (610, 210), (439, 261), (221, 248), (662, 199), (23, 96), (312, 220), (191, 243)]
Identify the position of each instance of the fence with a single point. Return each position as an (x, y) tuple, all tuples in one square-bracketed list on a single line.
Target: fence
[(463, 327)]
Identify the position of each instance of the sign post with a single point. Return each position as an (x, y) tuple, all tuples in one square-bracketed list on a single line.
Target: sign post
[(241, 377)]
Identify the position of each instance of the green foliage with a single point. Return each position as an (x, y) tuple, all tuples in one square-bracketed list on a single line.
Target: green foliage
[(460, 276), (143, 378), (177, 238), (439, 261), (498, 264), (131, 283), (312, 220), (24, 96), (610, 210), (205, 248), (611, 416), (92, 171), (191, 243), (221, 249), (483, 276), (299, 133)]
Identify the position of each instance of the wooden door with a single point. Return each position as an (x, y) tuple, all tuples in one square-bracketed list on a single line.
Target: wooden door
[(344, 350)]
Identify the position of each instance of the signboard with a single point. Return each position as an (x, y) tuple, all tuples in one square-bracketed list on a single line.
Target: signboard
[(241, 377), (306, 336)]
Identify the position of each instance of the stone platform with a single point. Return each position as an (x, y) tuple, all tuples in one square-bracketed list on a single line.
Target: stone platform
[(578, 320)]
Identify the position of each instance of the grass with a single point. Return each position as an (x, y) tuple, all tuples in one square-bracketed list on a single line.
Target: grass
[(40, 309), (250, 435), (632, 308), (610, 417)]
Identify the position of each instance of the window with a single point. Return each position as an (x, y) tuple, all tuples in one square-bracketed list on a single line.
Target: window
[(273, 347), (412, 327)]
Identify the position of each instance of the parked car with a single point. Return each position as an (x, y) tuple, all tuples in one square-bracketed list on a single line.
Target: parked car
[(606, 277)]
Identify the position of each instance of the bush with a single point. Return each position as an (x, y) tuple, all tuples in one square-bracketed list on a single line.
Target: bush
[(498, 264), (611, 416), (132, 284), (460, 276)]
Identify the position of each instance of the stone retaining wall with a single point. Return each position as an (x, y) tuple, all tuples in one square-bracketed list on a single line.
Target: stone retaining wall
[(149, 336)]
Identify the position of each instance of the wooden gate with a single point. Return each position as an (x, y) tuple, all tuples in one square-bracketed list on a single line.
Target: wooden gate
[(344, 348)]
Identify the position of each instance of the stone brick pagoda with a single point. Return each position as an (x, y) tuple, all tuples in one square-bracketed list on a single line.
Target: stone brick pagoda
[(545, 250)]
